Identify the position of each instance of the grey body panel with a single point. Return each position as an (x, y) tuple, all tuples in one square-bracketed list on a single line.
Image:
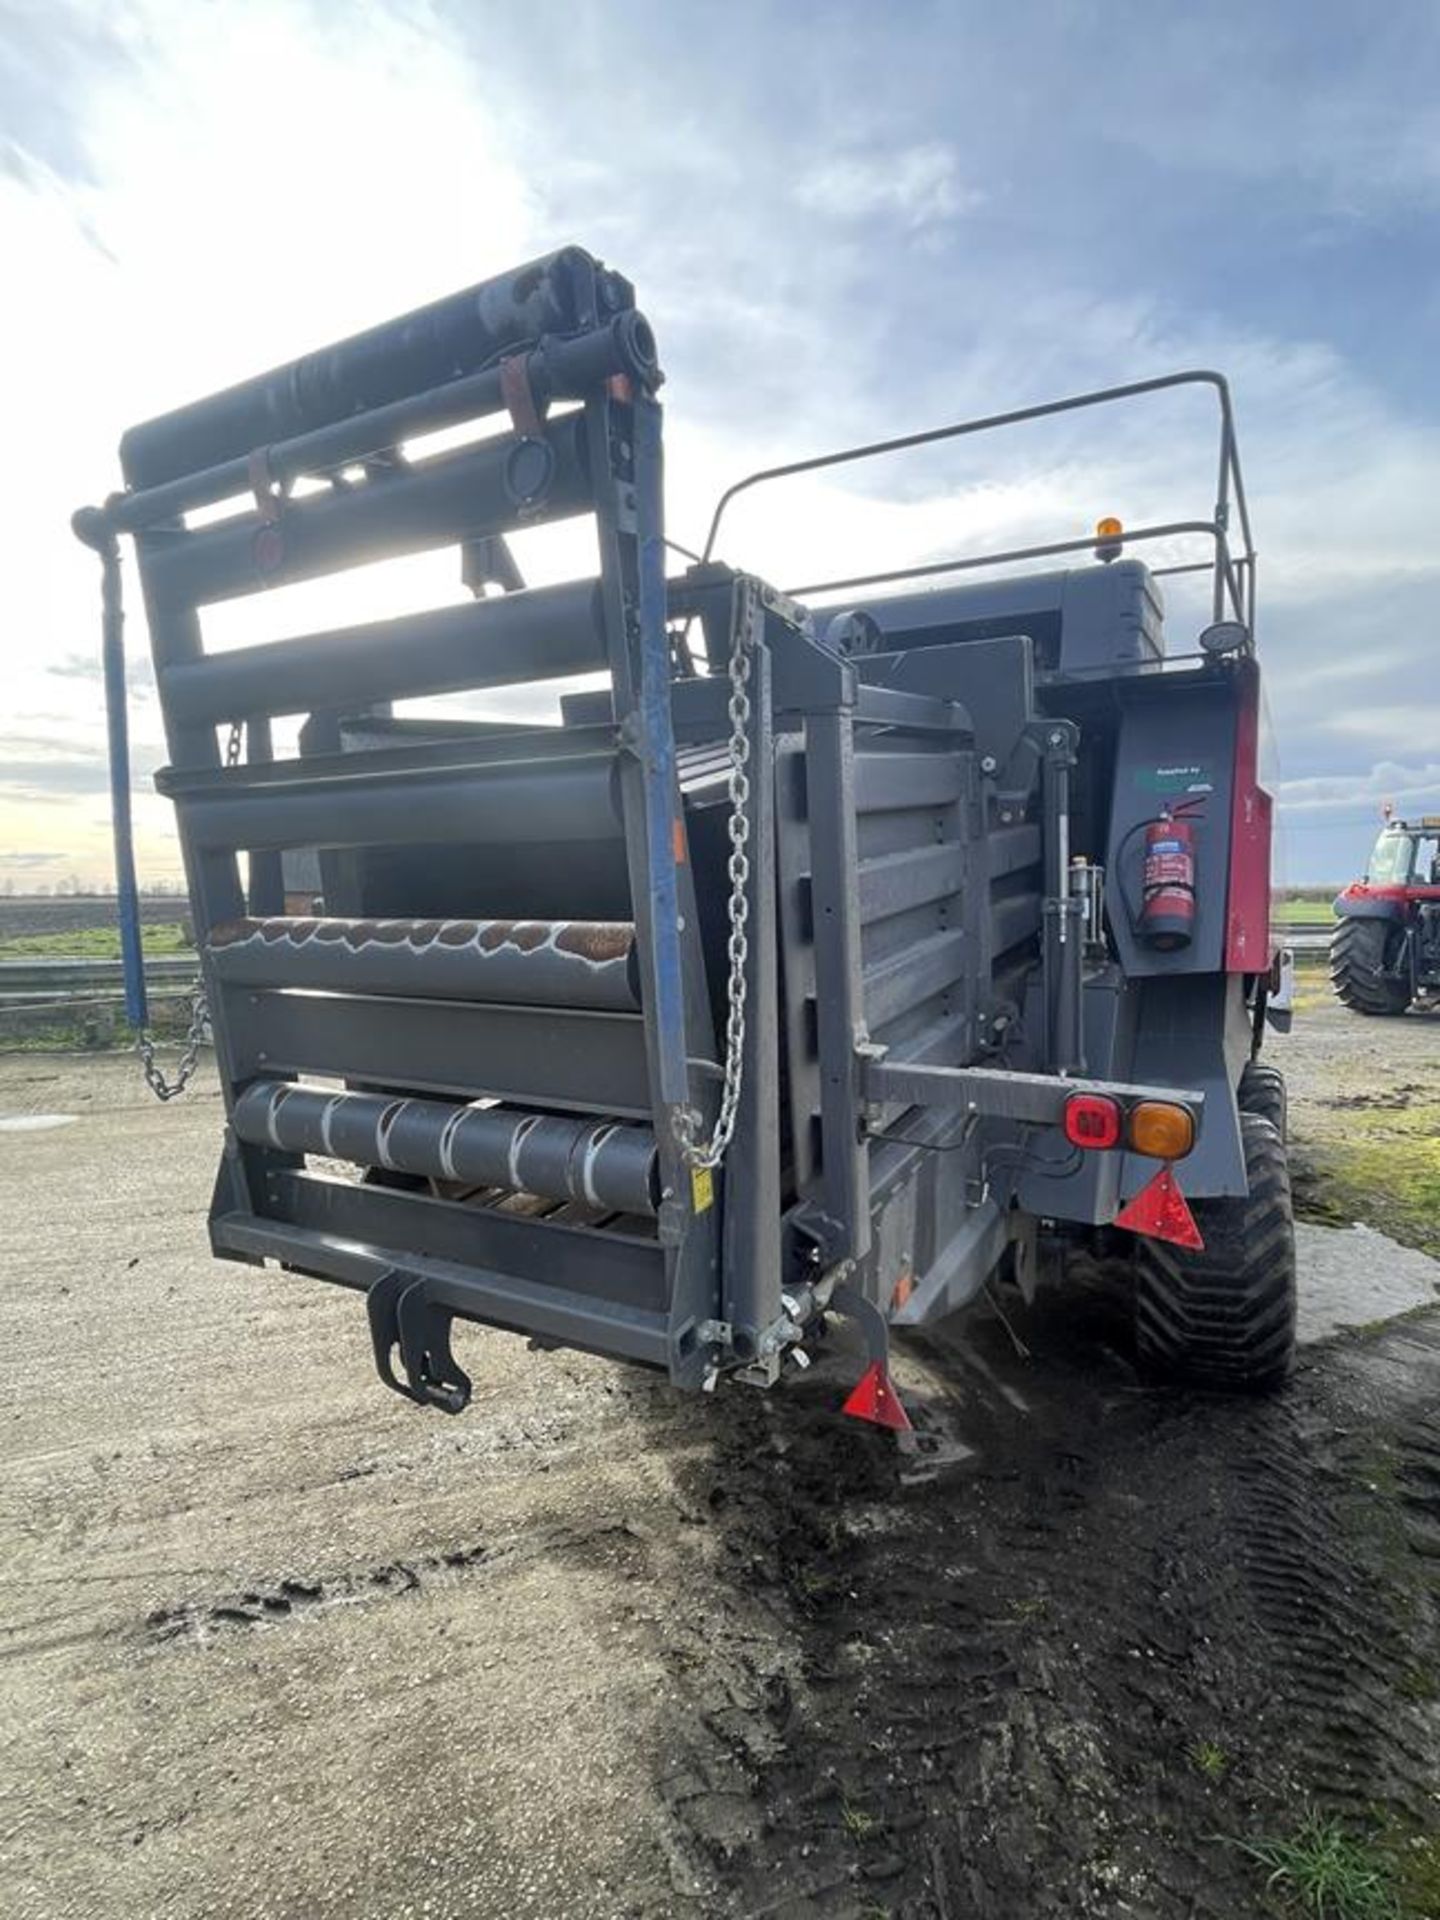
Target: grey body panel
[(1078, 619)]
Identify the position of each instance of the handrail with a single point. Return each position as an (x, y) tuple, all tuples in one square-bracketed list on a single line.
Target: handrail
[(1233, 577), (1230, 481)]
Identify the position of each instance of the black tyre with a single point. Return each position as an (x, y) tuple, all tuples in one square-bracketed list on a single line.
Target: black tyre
[(1360, 953), (1225, 1317), (1262, 1091)]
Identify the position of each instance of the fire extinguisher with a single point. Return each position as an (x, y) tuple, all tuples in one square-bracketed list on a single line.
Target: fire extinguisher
[(1167, 882)]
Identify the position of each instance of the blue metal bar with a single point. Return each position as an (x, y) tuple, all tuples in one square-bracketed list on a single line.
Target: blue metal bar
[(117, 723)]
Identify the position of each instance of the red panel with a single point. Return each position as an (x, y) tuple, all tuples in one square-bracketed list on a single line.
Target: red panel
[(1247, 910)]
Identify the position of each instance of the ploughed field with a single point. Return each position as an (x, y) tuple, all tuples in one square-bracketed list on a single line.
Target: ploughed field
[(83, 925), (278, 1644)]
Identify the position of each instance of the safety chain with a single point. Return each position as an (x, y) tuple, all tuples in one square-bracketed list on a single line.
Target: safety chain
[(162, 1088), (155, 1079), (742, 642)]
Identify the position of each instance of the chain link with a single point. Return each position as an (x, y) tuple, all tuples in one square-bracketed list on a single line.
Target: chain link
[(742, 641), (155, 1079), (195, 1033)]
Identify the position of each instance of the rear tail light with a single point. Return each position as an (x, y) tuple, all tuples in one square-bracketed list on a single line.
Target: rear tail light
[(1161, 1129), (1092, 1121)]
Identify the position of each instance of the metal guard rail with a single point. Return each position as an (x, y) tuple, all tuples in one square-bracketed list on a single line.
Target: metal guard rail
[(1232, 578)]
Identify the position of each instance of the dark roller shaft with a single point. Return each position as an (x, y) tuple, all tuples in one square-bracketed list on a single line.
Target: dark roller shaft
[(462, 495), (562, 293), (598, 1163), (536, 963), (556, 369), (519, 636), (518, 803)]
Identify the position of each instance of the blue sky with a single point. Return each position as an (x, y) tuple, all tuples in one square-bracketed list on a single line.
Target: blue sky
[(843, 221)]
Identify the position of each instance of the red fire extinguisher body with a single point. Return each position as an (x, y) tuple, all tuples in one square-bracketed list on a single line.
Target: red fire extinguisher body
[(1167, 912)]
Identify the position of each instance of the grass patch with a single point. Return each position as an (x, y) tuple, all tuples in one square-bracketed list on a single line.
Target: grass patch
[(1326, 1872), (1312, 990), (91, 943), (1209, 1758), (1417, 1683), (1384, 1167), (859, 1824), (1417, 1868), (1291, 913), (91, 1029)]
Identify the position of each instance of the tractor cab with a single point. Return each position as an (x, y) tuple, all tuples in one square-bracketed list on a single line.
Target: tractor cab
[(1406, 856)]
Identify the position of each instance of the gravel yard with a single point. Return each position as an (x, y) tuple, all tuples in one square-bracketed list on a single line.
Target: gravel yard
[(278, 1644)]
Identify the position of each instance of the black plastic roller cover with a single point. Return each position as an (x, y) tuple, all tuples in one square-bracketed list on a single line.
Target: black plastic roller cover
[(566, 292)]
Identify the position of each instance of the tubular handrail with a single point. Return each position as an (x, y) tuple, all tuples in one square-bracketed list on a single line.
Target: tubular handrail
[(1230, 481), (1233, 578)]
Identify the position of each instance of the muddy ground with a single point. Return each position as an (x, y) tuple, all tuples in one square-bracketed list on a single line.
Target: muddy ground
[(278, 1644)]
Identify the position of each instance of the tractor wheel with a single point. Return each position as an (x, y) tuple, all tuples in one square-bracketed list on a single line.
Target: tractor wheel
[(1262, 1091), (1360, 951), (1224, 1317)]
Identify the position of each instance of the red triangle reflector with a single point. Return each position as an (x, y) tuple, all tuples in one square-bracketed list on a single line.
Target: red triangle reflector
[(875, 1399), (1160, 1212)]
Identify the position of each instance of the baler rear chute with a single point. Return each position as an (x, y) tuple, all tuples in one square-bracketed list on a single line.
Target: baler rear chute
[(804, 967)]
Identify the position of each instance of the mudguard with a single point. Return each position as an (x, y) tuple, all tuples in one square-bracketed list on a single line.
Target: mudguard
[(1366, 903)]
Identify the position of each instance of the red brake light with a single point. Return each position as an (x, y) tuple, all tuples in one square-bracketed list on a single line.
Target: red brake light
[(1092, 1121)]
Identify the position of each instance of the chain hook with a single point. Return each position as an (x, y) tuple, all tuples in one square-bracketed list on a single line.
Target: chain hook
[(155, 1077)]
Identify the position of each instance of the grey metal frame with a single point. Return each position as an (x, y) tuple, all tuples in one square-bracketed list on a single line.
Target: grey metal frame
[(601, 458)]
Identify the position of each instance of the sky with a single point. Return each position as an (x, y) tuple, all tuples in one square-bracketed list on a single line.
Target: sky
[(844, 222)]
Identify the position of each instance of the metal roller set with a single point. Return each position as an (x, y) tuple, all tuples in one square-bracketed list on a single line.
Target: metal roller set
[(857, 946)]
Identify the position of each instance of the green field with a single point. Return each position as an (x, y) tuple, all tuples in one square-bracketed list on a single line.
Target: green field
[(88, 943), (1307, 907)]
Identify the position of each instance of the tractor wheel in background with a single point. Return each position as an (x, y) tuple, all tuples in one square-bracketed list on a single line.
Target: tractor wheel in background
[(1262, 1091), (1360, 951), (1224, 1317)]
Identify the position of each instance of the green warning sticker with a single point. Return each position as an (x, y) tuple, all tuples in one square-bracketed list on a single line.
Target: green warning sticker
[(1176, 777)]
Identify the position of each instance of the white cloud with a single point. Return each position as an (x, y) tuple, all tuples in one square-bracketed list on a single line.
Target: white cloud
[(1405, 784), (920, 186), (233, 210), (1387, 724)]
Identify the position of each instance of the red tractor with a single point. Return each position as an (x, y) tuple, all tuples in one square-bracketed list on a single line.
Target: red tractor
[(1385, 951)]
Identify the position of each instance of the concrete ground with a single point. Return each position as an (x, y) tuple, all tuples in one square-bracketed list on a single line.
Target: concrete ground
[(276, 1643), (183, 1437)]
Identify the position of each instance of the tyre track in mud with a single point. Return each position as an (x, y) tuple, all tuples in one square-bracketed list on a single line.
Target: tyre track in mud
[(989, 1692)]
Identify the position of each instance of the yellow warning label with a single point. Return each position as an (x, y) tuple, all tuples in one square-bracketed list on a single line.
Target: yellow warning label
[(702, 1189)]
